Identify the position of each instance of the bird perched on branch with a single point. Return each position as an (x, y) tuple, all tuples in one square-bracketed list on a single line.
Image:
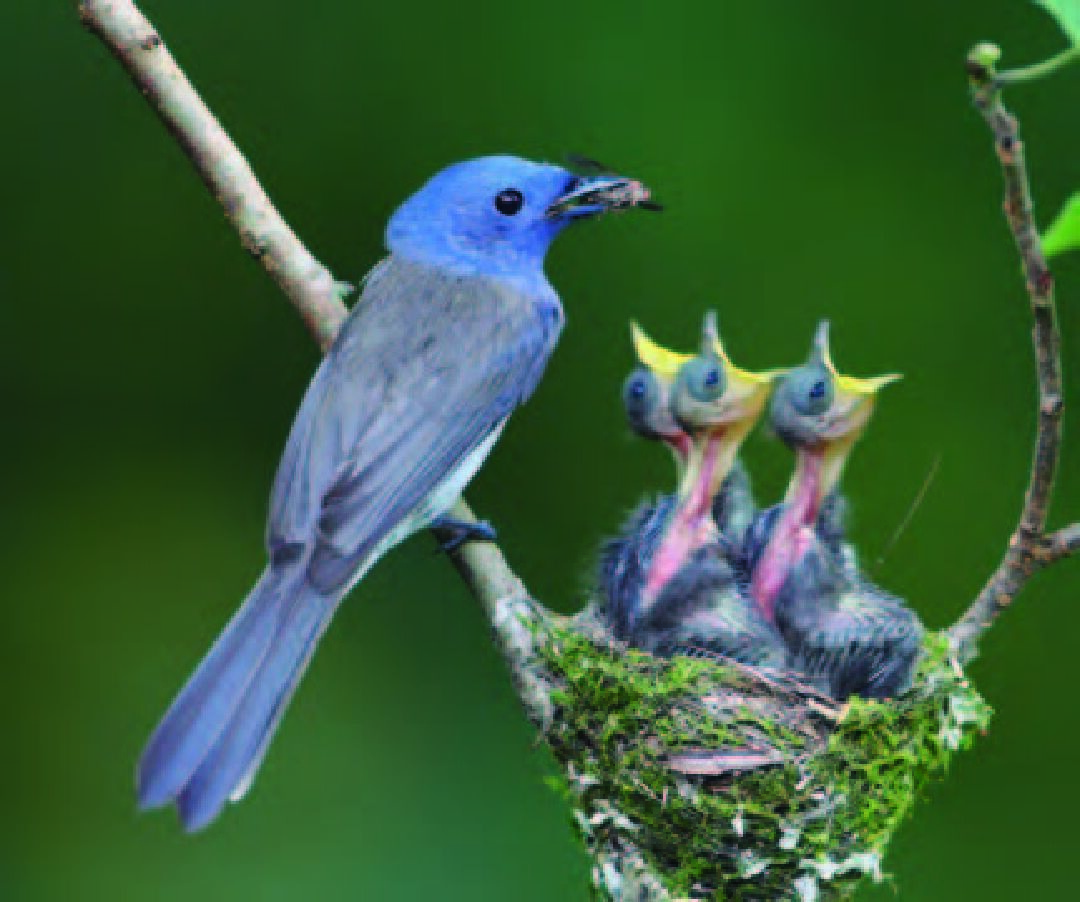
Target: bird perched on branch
[(667, 581), (451, 333), (845, 634)]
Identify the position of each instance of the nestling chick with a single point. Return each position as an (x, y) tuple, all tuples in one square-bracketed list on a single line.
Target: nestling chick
[(667, 581), (845, 634)]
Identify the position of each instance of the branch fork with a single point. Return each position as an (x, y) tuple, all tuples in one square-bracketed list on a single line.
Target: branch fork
[(1031, 548)]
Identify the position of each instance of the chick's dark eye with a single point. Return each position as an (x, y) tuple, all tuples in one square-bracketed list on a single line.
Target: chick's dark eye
[(509, 201), (641, 394), (703, 379), (811, 392)]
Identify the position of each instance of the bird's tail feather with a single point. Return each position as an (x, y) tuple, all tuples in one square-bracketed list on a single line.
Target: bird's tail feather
[(210, 742)]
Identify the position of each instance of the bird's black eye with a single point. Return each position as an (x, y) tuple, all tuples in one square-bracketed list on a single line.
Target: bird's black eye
[(641, 395), (703, 379), (810, 390), (509, 201)]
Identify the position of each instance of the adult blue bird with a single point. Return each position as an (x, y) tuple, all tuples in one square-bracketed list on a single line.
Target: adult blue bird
[(451, 333)]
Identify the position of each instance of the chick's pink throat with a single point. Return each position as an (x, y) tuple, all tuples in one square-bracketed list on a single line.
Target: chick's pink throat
[(792, 536), (679, 442), (691, 524)]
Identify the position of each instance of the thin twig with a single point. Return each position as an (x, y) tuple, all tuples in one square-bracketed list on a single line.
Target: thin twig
[(1062, 543), (1039, 70), (136, 44), (1029, 549), (310, 288)]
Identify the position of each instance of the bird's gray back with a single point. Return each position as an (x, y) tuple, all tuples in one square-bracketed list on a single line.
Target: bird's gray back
[(427, 365)]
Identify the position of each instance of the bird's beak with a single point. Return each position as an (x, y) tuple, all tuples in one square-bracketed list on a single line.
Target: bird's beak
[(854, 400), (853, 405), (746, 395), (595, 194), (737, 410), (746, 392), (850, 413), (717, 433), (660, 360)]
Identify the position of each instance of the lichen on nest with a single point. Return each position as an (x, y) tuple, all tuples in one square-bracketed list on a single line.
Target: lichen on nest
[(730, 783)]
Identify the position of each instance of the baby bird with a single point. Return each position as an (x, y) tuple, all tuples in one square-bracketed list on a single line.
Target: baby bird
[(846, 635), (667, 581)]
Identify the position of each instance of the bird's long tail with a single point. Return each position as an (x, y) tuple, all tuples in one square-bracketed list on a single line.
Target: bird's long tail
[(212, 739)]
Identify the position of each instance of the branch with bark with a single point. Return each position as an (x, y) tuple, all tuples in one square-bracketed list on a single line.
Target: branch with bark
[(1031, 548)]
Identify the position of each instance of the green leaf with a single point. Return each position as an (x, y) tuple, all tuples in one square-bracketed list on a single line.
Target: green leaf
[(1063, 233), (1067, 14)]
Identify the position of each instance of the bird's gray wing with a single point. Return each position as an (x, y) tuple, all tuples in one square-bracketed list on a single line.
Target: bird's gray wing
[(427, 366)]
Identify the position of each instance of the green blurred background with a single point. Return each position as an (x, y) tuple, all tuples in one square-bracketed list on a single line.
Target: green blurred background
[(816, 159)]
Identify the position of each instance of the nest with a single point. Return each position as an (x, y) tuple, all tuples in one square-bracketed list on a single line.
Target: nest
[(704, 779)]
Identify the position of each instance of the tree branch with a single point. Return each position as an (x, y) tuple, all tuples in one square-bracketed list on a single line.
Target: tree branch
[(138, 47), (1064, 542), (312, 290), (1029, 549)]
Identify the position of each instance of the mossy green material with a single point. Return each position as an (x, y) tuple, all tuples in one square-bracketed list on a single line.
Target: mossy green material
[(810, 824)]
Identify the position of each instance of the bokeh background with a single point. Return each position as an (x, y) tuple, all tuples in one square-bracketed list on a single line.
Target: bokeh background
[(816, 159)]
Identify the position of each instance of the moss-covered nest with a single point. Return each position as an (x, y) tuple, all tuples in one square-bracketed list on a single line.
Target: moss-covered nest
[(729, 783)]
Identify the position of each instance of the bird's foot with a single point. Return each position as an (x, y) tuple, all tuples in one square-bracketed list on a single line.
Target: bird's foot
[(459, 532)]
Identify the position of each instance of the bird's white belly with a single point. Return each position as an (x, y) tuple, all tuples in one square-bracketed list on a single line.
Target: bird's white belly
[(449, 490), (441, 499)]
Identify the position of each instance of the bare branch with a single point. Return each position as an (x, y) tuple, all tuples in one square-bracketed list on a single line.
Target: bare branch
[(265, 235), (310, 288), (1063, 543), (1029, 549)]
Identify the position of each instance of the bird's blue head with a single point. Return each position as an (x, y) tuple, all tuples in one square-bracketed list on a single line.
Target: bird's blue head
[(497, 215)]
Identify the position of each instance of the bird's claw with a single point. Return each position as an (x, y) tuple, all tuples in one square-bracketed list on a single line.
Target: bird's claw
[(461, 531)]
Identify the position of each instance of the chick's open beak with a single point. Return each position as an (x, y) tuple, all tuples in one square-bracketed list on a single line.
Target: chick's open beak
[(846, 420), (853, 405), (594, 194), (718, 430), (737, 410), (745, 398)]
